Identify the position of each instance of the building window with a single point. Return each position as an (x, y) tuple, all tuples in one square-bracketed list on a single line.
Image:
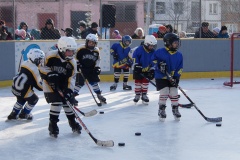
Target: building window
[(213, 8), (232, 28), (213, 25), (160, 7), (125, 12), (178, 8)]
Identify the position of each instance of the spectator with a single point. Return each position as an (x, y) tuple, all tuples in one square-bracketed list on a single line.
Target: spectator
[(21, 34), (49, 31), (169, 28), (216, 32), (138, 34), (68, 32), (223, 32), (116, 35), (83, 29), (93, 29), (35, 34), (205, 32), (23, 25), (4, 34), (182, 34), (161, 31)]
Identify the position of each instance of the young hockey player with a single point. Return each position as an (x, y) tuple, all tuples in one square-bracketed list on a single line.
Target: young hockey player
[(88, 57), (58, 73), (169, 60), (143, 67), (23, 84), (121, 61)]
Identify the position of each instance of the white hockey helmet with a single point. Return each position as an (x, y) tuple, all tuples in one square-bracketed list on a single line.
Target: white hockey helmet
[(150, 40), (66, 43), (93, 38), (35, 56)]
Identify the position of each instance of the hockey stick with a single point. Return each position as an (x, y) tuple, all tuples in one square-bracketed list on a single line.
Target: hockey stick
[(87, 114), (98, 103), (181, 105), (20, 62), (218, 119), (109, 143)]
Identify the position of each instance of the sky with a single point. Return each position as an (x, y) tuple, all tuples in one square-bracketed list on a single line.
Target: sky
[(190, 138)]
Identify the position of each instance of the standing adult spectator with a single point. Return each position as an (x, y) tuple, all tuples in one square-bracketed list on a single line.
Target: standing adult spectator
[(49, 31), (93, 29), (116, 34), (138, 34), (161, 31), (23, 25), (223, 32), (204, 32), (83, 30), (4, 34), (35, 33)]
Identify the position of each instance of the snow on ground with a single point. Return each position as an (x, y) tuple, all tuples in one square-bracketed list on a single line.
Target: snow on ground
[(191, 138)]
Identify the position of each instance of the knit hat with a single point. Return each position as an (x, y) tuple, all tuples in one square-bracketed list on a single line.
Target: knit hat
[(205, 24), (94, 25), (49, 21), (216, 29), (116, 31), (162, 28), (82, 24)]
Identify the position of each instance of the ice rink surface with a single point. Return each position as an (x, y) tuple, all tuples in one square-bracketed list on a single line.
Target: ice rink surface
[(192, 138)]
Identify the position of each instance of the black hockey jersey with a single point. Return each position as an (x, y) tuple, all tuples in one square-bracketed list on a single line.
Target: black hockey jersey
[(26, 79)]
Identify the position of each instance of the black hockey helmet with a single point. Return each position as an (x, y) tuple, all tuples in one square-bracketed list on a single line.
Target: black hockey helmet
[(168, 39)]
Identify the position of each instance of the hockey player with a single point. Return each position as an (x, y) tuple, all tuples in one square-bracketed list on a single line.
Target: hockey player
[(121, 61), (23, 84), (88, 57), (58, 73), (169, 60), (143, 67)]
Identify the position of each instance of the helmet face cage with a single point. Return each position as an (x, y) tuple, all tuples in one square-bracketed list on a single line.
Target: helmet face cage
[(36, 56), (67, 43), (125, 39), (150, 40), (169, 39), (93, 38)]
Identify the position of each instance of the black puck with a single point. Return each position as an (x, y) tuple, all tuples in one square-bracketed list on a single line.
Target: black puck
[(101, 112), (121, 144), (219, 125), (137, 134), (212, 79)]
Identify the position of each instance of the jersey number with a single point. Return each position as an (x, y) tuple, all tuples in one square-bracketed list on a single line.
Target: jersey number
[(20, 80)]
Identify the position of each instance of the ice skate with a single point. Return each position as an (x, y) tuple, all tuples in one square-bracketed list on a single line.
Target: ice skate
[(76, 128), (136, 99), (12, 116), (127, 87), (101, 99), (176, 113), (53, 129), (162, 113), (145, 99), (113, 87), (25, 116)]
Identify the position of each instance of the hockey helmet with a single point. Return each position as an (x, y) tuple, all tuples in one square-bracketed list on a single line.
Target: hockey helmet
[(126, 40), (35, 56), (168, 40), (93, 38), (64, 44), (150, 40)]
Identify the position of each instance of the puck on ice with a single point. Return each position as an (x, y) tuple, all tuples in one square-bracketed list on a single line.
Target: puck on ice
[(219, 125), (101, 112), (121, 144), (137, 134), (212, 79)]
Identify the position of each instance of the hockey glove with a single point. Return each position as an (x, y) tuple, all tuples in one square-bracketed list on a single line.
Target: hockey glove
[(53, 79), (115, 55), (163, 67), (150, 74), (68, 95), (174, 82), (97, 70), (137, 69)]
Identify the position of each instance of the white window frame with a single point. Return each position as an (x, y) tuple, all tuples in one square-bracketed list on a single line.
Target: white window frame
[(213, 8)]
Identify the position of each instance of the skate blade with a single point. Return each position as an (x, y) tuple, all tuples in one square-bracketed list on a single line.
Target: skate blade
[(162, 119), (18, 120), (177, 118), (53, 135), (145, 103), (76, 132)]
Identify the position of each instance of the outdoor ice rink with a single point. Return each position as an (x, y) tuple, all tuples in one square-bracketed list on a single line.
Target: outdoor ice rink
[(193, 138)]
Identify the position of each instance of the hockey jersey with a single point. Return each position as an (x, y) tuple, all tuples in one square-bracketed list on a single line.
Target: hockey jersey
[(26, 79), (66, 70), (123, 60), (174, 62), (142, 57)]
